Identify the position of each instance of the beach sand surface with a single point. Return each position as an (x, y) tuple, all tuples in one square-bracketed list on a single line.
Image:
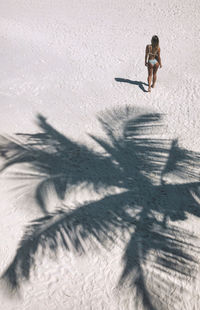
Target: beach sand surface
[(68, 64)]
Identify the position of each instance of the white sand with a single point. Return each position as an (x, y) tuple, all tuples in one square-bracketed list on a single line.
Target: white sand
[(60, 59)]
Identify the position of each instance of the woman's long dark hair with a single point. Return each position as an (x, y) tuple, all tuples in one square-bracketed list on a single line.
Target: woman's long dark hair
[(155, 43)]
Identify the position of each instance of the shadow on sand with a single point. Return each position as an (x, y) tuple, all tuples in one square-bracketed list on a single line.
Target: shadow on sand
[(150, 209), (138, 83)]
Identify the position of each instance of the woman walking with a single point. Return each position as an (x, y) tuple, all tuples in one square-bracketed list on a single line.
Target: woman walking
[(154, 61)]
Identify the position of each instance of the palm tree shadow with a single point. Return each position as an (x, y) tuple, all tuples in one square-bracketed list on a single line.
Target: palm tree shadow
[(138, 83), (136, 161), (54, 160)]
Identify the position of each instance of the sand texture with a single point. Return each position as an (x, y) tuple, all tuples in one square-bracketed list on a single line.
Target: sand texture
[(99, 179)]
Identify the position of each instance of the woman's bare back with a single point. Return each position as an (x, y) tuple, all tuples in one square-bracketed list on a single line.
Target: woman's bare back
[(152, 55)]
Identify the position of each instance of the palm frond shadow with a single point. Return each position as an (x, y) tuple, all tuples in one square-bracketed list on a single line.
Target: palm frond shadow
[(137, 160), (55, 160)]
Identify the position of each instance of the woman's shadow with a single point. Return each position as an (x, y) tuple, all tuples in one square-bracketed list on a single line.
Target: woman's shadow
[(140, 84)]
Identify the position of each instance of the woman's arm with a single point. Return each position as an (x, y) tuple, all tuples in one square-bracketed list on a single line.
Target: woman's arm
[(146, 55), (159, 59)]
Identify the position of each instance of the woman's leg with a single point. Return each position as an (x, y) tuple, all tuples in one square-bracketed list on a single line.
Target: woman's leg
[(150, 71), (155, 69)]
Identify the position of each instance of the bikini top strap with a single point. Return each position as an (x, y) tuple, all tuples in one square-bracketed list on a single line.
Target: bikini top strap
[(151, 52)]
